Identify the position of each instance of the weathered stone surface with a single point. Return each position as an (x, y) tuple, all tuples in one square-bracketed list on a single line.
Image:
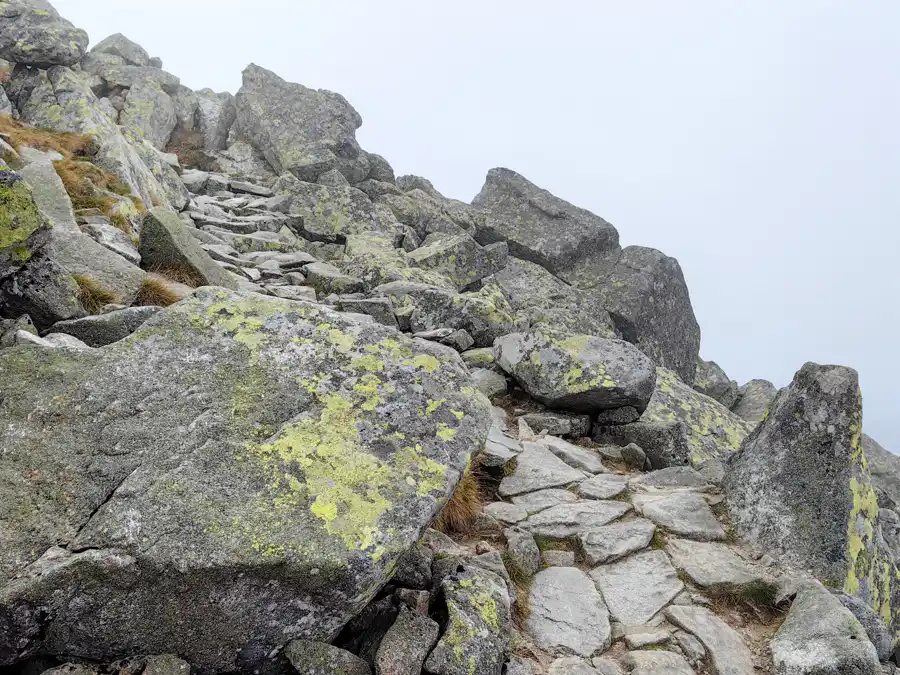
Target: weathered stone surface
[(605, 665), (523, 551), (656, 663), (684, 513), (520, 666), (104, 329), (539, 227), (216, 113), (571, 665), (821, 637), (603, 486), (488, 382), (460, 259), (800, 489), (299, 442), (536, 502), (753, 400), (115, 240), (727, 652), (671, 478), (581, 373), (712, 381), (884, 468), (49, 192), (552, 558), (130, 76), (34, 34), (327, 279), (119, 45), (477, 634), (575, 456), (149, 113), (166, 243), (612, 542), (568, 615), (638, 587), (506, 513), (321, 658), (568, 520), (406, 645), (536, 469), (878, 633), (634, 456), (560, 424), (647, 297), (414, 568), (299, 130), (714, 567)]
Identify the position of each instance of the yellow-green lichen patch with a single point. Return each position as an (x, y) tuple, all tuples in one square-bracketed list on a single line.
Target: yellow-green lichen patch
[(19, 216)]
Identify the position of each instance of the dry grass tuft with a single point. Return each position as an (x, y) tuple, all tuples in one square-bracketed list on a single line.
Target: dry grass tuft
[(92, 295), (188, 146), (67, 144), (156, 292), (180, 275), (458, 515)]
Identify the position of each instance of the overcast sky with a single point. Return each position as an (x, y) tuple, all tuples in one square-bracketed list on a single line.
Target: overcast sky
[(757, 142)]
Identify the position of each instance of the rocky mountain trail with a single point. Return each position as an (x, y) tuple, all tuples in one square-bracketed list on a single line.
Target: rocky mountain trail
[(267, 407)]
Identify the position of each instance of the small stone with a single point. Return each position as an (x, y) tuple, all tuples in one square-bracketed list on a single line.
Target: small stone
[(656, 663), (693, 649), (575, 455), (560, 424), (634, 456), (483, 547), (618, 416), (414, 568), (488, 382), (640, 638), (522, 551), (613, 542), (552, 558), (417, 601)]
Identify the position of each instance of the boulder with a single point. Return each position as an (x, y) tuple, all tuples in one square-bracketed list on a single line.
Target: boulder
[(580, 373), (884, 468), (126, 76), (753, 400), (876, 630), (119, 45), (684, 513), (712, 381), (321, 658), (215, 117), (800, 489), (460, 259), (32, 33), (166, 244), (522, 552), (406, 644), (230, 432), (646, 295), (149, 113), (613, 542), (104, 329), (539, 227), (299, 130), (821, 637), (559, 424), (115, 240)]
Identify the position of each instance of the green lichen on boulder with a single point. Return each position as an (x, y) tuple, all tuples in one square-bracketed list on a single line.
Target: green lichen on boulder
[(274, 448), (19, 215)]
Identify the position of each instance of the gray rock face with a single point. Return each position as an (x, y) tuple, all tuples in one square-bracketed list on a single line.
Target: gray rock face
[(647, 297), (406, 645), (728, 653), (216, 113), (536, 469), (613, 542), (477, 634), (320, 658), (488, 382), (299, 130), (754, 399), (149, 113), (115, 240), (571, 665), (523, 551), (712, 381), (684, 513), (568, 520), (638, 587), (568, 615), (104, 329), (460, 258), (800, 488), (821, 637), (541, 500), (884, 468), (48, 190), (34, 34), (712, 566), (575, 456), (656, 663), (539, 227), (119, 45), (581, 373), (299, 451), (166, 243)]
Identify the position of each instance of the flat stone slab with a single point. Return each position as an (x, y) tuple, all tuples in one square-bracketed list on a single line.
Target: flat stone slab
[(505, 513), (656, 663), (612, 542), (727, 651), (499, 448), (603, 486), (574, 455), (571, 665), (568, 614), (683, 513), (670, 478), (569, 520), (637, 588), (552, 558), (536, 502), (536, 469), (712, 566)]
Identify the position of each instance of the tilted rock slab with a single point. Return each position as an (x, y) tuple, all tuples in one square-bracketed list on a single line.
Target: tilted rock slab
[(247, 467), (800, 489)]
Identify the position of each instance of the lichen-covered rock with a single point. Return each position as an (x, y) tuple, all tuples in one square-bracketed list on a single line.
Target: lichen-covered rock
[(228, 433), (216, 113), (321, 658), (477, 635), (47, 187), (460, 259), (582, 373), (884, 468), (299, 130), (116, 75), (539, 227), (166, 243), (32, 33), (754, 399), (646, 295), (406, 644), (712, 381), (119, 45), (800, 489), (149, 113), (820, 637)]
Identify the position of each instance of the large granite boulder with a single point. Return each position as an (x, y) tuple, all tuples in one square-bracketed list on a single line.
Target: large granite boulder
[(460, 258), (800, 489), (645, 292), (712, 381), (149, 113), (753, 400), (299, 130), (119, 45), (247, 467), (538, 226), (216, 113), (582, 373), (32, 33), (884, 468)]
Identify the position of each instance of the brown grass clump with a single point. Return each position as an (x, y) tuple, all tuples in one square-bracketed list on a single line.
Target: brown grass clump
[(156, 292), (188, 147), (67, 144), (458, 515), (92, 295), (178, 274)]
